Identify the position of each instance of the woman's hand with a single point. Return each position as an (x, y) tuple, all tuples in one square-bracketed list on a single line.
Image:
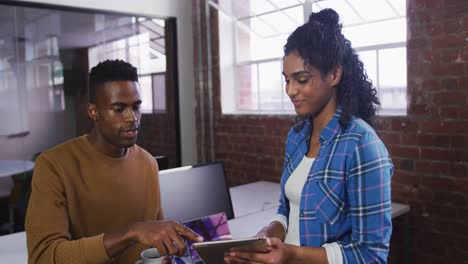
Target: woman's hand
[(278, 252)]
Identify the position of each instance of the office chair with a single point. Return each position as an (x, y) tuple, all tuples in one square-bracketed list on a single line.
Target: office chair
[(163, 162), (19, 199)]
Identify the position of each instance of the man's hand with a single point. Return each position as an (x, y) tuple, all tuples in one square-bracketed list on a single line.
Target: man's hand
[(277, 253), (166, 236)]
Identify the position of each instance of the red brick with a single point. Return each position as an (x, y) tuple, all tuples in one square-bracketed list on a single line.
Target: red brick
[(422, 194), (460, 142), (382, 123), (441, 141), (415, 5), (432, 84), (462, 127), (463, 114), (416, 139), (464, 82), (450, 84), (453, 26), (436, 30), (450, 199), (459, 169), (448, 41), (449, 112), (400, 190), (462, 185), (460, 155), (418, 55), (418, 109), (404, 152), (396, 162), (404, 125), (434, 3), (437, 154), (439, 183), (432, 167), (439, 127), (448, 69), (409, 139), (455, 8), (465, 50), (450, 98), (406, 178), (414, 42), (390, 138), (451, 56), (428, 56), (441, 212)]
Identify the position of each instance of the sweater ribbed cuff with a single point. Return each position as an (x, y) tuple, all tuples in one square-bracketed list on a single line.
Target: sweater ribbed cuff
[(94, 250)]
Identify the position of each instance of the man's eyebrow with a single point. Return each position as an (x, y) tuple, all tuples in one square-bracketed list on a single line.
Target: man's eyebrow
[(138, 102)]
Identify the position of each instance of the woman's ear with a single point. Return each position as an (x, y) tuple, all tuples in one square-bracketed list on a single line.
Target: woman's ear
[(336, 75)]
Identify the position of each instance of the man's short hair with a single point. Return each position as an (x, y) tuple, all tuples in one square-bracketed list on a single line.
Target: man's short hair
[(107, 71)]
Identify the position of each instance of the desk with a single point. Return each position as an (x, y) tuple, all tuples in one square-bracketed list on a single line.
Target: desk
[(263, 195), (254, 197), (254, 205), (9, 168), (13, 248), (12, 167)]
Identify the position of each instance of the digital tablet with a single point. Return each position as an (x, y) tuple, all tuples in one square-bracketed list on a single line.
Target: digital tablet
[(212, 252), (212, 228)]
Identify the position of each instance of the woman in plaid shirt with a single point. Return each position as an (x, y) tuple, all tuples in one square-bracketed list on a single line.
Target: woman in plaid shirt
[(335, 204)]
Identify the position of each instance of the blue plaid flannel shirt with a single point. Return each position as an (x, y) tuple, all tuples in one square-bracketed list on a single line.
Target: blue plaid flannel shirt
[(346, 197)]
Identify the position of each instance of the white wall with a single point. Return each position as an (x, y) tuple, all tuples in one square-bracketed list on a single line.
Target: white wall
[(182, 11)]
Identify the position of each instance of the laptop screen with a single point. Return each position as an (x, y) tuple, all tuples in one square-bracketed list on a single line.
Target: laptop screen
[(195, 191)]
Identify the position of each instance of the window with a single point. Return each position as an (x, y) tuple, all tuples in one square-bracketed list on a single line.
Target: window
[(254, 32), (146, 51)]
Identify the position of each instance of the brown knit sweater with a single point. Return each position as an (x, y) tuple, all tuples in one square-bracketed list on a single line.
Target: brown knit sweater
[(78, 194)]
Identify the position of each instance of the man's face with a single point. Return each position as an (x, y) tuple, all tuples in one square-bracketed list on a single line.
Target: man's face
[(117, 114)]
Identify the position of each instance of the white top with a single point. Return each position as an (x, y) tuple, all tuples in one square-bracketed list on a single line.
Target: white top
[(293, 191)]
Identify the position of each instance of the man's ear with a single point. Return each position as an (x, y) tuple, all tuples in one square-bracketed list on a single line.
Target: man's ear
[(92, 112), (336, 75)]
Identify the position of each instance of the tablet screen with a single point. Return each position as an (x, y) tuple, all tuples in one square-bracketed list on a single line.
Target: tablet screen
[(211, 228), (212, 252)]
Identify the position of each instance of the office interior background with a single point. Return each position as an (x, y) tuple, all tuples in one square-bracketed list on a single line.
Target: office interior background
[(210, 72)]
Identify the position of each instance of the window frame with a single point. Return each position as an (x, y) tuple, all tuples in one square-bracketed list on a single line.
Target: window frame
[(233, 108)]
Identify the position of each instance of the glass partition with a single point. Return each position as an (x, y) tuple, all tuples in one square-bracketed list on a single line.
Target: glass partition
[(45, 57)]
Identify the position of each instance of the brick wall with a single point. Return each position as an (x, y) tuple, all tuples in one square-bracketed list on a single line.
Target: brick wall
[(429, 146), (158, 136)]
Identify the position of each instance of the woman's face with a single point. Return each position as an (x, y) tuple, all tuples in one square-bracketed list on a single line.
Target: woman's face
[(309, 90)]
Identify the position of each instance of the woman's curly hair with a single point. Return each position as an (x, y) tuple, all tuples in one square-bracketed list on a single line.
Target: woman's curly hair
[(322, 45)]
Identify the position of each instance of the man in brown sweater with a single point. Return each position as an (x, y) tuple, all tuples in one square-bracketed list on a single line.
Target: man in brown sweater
[(96, 199)]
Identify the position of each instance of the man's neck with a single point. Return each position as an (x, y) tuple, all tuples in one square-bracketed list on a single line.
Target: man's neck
[(101, 145)]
